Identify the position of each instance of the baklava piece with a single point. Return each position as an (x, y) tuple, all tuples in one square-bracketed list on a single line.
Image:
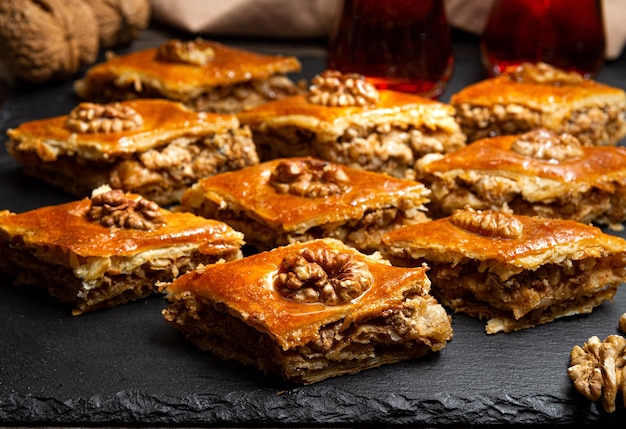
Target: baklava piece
[(109, 249), (538, 173), (156, 148), (345, 119), (542, 96), (299, 199), (203, 75), (515, 271), (309, 311)]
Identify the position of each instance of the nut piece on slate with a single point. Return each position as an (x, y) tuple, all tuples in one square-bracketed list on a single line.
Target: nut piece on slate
[(103, 118), (120, 21), (488, 223), (622, 323), (598, 369), (548, 146), (113, 208), (47, 39), (308, 178), (333, 88), (322, 275)]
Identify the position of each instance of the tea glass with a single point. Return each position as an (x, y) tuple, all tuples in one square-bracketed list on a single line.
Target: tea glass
[(402, 45), (564, 33)]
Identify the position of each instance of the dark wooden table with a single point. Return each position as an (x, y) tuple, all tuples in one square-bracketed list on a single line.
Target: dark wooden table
[(127, 367)]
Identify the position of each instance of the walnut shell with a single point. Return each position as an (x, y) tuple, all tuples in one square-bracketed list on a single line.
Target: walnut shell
[(120, 21), (47, 39)]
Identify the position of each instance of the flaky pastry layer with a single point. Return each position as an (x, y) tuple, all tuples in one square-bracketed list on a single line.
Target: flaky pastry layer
[(245, 319), (591, 111), (370, 205), (388, 137), (233, 80), (172, 149), (489, 174), (537, 271), (91, 266)]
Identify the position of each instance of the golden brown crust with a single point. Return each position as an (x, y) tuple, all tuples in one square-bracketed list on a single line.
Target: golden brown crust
[(163, 121), (246, 288), (386, 137), (538, 173), (299, 199), (551, 98), (250, 189), (516, 271), (309, 311), (511, 104), (182, 80), (541, 241), (596, 164), (68, 233), (108, 250), (149, 146), (392, 106)]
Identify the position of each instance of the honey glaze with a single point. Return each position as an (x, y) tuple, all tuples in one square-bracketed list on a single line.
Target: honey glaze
[(531, 238), (227, 66), (585, 164), (67, 227), (161, 120), (248, 288)]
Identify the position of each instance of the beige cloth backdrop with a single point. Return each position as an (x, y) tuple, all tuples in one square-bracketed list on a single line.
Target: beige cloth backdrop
[(313, 18), (286, 18)]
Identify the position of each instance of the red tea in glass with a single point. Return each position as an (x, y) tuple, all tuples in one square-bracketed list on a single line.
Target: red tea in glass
[(564, 33), (403, 45)]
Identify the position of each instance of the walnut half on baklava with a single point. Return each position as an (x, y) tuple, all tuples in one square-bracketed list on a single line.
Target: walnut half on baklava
[(542, 96), (309, 311), (109, 249), (204, 75), (515, 271), (298, 199), (156, 148), (538, 173), (345, 119)]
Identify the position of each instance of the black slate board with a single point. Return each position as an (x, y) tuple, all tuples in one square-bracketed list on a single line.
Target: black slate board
[(126, 366)]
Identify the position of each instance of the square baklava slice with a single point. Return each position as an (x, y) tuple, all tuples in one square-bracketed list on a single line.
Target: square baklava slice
[(309, 311), (156, 148), (345, 119), (515, 271), (541, 96), (538, 173), (109, 249), (202, 74), (298, 199)]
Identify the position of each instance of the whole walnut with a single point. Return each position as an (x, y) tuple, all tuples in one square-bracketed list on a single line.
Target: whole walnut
[(120, 21), (44, 40)]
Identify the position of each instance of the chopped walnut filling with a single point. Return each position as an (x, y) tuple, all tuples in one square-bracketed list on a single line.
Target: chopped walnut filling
[(333, 88), (103, 118), (599, 124), (543, 73), (324, 276), (114, 208), (309, 178), (547, 145), (488, 223), (598, 369), (193, 52)]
